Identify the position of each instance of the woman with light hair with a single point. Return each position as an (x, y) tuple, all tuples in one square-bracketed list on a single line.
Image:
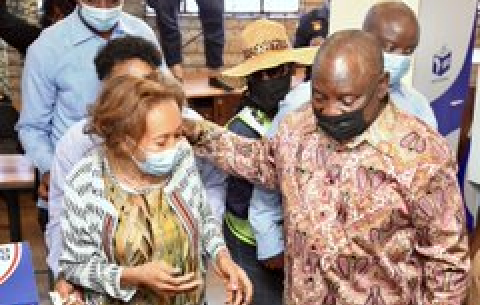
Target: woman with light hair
[(137, 225)]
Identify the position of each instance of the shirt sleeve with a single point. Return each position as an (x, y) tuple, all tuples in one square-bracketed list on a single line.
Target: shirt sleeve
[(35, 123), (149, 34), (247, 158), (62, 164), (215, 182), (211, 235), (81, 261), (425, 109), (439, 218), (266, 217)]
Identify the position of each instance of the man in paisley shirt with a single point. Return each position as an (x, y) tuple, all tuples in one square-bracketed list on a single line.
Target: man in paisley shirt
[(373, 213)]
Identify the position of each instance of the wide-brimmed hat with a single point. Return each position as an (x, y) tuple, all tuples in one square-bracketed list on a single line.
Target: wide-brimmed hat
[(265, 44)]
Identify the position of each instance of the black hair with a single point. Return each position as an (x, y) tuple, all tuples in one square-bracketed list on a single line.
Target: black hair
[(125, 48), (53, 7)]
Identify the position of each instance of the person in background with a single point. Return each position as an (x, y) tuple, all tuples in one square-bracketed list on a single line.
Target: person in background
[(20, 34), (142, 192), (15, 31), (213, 28), (59, 79), (120, 56), (373, 212), (253, 220), (396, 27), (55, 10), (312, 30)]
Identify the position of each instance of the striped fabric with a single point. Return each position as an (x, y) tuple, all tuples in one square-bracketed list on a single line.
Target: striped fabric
[(85, 261)]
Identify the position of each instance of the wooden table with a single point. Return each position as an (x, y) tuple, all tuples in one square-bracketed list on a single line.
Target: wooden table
[(16, 174), (214, 104)]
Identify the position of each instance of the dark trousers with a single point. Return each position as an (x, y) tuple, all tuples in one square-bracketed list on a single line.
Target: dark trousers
[(211, 17), (267, 284)]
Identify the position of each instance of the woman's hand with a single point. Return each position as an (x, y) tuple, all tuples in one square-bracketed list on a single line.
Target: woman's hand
[(67, 290), (160, 278), (238, 286)]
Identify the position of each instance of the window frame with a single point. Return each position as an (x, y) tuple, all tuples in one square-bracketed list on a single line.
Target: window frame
[(262, 13)]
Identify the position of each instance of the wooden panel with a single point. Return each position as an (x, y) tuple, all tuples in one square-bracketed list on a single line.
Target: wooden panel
[(197, 86), (16, 172), (224, 108)]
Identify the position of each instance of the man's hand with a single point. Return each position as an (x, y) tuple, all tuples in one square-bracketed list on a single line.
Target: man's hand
[(161, 278), (44, 186), (65, 289), (190, 129), (238, 286), (274, 263)]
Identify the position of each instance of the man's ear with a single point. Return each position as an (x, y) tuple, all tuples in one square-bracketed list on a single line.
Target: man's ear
[(382, 90)]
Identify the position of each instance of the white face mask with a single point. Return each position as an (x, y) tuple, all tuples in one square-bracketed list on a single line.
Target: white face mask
[(396, 65), (161, 163), (101, 19)]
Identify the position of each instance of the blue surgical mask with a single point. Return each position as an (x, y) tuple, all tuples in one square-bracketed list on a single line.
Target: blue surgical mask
[(161, 163), (101, 19), (396, 65)]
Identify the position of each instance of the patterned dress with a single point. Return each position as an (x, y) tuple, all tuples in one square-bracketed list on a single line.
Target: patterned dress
[(149, 230), (106, 227)]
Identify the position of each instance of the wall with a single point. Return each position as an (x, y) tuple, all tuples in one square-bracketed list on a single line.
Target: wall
[(190, 26)]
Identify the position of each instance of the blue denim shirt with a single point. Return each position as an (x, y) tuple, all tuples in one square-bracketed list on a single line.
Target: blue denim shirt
[(60, 82)]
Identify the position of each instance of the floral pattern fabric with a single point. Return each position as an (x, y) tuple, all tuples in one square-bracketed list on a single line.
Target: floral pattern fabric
[(376, 221)]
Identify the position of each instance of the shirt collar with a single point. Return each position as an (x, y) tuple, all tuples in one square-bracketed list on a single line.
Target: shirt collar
[(81, 33), (379, 131)]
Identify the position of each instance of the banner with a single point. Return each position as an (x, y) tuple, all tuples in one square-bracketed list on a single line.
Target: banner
[(443, 60), (17, 279)]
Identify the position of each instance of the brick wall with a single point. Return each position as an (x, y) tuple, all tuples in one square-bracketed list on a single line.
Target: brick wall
[(193, 53), (190, 26)]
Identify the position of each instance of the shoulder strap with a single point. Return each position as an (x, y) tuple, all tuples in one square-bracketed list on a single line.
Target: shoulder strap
[(253, 121)]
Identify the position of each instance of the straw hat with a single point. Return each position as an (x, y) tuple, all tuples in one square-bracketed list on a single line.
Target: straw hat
[(265, 44)]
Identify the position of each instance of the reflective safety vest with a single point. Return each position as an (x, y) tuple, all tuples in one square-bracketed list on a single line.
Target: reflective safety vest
[(260, 123)]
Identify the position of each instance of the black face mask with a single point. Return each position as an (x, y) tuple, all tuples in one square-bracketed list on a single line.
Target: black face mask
[(343, 127), (267, 94)]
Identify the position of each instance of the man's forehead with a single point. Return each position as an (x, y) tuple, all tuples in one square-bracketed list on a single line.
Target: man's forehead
[(134, 67), (345, 73)]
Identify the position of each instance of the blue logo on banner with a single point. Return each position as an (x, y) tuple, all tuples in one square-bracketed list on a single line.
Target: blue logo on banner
[(442, 62)]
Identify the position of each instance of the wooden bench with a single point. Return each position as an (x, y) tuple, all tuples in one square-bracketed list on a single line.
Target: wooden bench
[(16, 174)]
